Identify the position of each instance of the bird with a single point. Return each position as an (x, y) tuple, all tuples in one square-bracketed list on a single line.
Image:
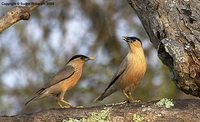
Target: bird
[(130, 71), (63, 80)]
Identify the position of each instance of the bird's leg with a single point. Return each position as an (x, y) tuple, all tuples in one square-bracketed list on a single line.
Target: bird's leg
[(60, 104), (130, 97), (61, 100)]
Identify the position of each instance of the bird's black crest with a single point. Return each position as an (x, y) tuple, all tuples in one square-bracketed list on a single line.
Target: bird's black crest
[(78, 56), (134, 38)]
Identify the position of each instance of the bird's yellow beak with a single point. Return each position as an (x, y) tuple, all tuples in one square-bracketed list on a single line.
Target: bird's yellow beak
[(91, 58), (125, 38)]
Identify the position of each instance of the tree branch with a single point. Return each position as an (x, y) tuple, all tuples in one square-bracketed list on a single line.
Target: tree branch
[(16, 14), (183, 110)]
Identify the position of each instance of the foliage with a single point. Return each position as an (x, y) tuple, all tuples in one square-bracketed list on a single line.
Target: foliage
[(137, 118), (164, 102), (102, 116)]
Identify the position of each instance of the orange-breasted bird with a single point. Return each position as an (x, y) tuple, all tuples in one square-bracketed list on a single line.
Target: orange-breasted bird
[(130, 71), (64, 80)]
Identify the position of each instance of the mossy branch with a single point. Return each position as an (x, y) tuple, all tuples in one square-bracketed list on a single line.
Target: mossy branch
[(155, 111)]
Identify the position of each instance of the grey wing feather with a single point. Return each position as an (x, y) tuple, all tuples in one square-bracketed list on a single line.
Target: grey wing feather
[(63, 74), (119, 72), (116, 76), (121, 68)]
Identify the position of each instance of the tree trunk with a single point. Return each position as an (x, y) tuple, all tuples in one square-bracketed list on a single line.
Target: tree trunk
[(174, 29), (183, 111)]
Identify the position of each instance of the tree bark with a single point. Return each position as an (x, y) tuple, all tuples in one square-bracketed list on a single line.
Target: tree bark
[(182, 111), (174, 29), (16, 14)]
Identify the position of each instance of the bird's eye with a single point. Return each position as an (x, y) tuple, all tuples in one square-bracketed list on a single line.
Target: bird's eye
[(82, 58), (86, 59), (131, 41)]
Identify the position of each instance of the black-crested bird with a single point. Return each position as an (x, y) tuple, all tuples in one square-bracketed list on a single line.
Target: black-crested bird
[(130, 71), (64, 80)]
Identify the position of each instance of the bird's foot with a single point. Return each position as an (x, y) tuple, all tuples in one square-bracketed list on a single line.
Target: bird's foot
[(133, 101), (130, 98), (67, 105), (79, 107), (123, 102), (70, 106)]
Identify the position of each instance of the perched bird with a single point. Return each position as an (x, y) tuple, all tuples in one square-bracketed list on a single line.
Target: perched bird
[(130, 71), (64, 80)]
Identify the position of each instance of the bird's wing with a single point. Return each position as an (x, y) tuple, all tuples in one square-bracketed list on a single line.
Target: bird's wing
[(63, 74), (119, 72)]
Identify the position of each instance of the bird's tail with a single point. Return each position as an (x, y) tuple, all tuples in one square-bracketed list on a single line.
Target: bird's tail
[(32, 99), (106, 93), (102, 96), (38, 96)]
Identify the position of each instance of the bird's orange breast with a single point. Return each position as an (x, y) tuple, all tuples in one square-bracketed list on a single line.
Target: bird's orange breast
[(72, 81), (135, 71)]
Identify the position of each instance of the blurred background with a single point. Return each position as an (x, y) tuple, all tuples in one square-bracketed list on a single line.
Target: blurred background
[(32, 51)]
